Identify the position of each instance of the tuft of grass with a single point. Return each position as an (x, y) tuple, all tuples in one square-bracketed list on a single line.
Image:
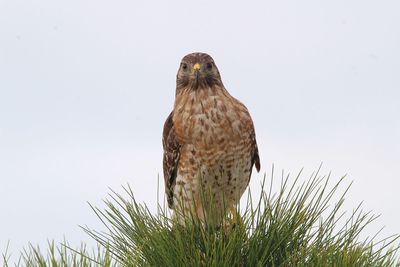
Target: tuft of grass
[(62, 256), (302, 224)]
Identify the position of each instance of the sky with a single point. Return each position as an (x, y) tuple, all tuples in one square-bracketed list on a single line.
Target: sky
[(85, 87)]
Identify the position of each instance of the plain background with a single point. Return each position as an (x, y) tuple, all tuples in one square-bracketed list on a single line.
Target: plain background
[(85, 87)]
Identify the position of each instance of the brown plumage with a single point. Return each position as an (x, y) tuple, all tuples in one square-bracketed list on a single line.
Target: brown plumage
[(208, 139)]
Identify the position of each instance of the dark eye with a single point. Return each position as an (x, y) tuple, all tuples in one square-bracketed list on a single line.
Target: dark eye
[(209, 66), (184, 66)]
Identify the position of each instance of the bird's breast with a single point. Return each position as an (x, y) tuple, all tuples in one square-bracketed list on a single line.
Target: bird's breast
[(208, 121)]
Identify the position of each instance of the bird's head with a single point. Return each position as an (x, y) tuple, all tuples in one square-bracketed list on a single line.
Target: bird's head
[(197, 71)]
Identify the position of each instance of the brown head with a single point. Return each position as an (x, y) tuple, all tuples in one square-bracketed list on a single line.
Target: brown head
[(197, 71)]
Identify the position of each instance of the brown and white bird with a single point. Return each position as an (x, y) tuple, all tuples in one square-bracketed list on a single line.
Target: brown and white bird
[(209, 141)]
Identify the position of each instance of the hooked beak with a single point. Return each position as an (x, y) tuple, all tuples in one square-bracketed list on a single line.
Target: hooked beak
[(196, 70)]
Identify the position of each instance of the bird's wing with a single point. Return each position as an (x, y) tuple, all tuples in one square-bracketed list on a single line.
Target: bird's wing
[(255, 157), (171, 156)]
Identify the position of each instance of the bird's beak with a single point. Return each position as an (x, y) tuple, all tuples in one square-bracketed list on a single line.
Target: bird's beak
[(196, 70), (196, 66)]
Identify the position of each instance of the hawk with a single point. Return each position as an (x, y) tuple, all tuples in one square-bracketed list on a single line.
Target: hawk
[(208, 139)]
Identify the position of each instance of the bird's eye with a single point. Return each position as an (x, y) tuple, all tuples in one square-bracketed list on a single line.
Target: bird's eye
[(209, 66), (184, 66)]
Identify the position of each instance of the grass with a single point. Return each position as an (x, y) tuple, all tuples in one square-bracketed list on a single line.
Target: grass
[(62, 255), (303, 224)]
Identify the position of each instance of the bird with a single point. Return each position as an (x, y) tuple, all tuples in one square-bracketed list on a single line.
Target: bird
[(209, 143)]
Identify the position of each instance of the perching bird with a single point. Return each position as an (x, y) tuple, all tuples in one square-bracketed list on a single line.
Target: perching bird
[(209, 141)]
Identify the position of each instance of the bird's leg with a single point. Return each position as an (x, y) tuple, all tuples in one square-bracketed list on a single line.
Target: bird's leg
[(236, 218), (233, 220), (233, 213)]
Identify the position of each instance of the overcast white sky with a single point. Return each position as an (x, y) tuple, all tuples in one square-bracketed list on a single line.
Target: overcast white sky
[(85, 87)]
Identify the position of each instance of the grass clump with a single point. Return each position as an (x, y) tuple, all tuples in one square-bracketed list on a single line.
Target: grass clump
[(62, 256), (302, 224)]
